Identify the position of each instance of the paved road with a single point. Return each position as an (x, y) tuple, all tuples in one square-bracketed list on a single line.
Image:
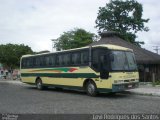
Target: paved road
[(22, 98)]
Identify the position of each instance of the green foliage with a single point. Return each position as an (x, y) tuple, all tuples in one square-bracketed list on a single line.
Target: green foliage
[(10, 54), (157, 82), (74, 39), (124, 17)]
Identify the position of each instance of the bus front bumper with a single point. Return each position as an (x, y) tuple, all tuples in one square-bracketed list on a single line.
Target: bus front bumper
[(125, 86)]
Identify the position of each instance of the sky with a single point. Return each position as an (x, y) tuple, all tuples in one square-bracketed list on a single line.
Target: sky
[(36, 22)]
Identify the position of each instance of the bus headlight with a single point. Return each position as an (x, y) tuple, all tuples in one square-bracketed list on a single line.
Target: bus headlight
[(137, 80), (118, 81)]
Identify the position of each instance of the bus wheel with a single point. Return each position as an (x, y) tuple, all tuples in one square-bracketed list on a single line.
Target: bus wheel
[(91, 89), (39, 84)]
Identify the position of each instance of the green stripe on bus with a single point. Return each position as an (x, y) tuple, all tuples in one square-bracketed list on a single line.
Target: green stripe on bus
[(61, 75)]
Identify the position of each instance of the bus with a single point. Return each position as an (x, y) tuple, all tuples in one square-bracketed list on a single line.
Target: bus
[(94, 69)]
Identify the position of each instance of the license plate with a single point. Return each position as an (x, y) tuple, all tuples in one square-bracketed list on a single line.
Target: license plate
[(129, 86)]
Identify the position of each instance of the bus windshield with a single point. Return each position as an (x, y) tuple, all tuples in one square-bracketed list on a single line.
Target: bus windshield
[(123, 61)]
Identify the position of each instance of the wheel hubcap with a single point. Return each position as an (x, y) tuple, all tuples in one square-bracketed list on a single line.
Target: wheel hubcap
[(91, 88), (39, 85)]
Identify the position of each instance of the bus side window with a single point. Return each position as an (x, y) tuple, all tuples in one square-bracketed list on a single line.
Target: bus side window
[(37, 62), (27, 63), (46, 60), (41, 59), (31, 62), (50, 60), (84, 57), (24, 63), (57, 60), (53, 60), (60, 58), (66, 59), (34, 62), (75, 58)]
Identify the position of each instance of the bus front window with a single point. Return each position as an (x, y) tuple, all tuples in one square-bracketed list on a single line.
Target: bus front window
[(123, 61)]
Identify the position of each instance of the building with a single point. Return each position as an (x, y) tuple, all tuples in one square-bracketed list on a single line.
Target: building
[(148, 62)]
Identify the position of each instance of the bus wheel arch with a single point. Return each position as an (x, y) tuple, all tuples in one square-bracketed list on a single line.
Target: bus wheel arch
[(90, 87)]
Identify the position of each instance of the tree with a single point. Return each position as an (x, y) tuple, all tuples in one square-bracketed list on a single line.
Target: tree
[(10, 54), (74, 39), (124, 17)]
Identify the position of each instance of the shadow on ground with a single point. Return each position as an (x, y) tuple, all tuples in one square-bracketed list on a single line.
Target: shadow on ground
[(81, 92)]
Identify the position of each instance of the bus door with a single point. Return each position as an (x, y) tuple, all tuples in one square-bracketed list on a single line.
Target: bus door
[(104, 66)]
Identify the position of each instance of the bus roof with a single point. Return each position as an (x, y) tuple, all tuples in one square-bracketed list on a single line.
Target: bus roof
[(109, 46)]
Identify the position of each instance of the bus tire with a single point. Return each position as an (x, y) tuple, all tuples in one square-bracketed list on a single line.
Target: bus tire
[(91, 88), (39, 84)]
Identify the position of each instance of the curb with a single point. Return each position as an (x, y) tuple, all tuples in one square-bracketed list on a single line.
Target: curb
[(145, 94), (11, 81)]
